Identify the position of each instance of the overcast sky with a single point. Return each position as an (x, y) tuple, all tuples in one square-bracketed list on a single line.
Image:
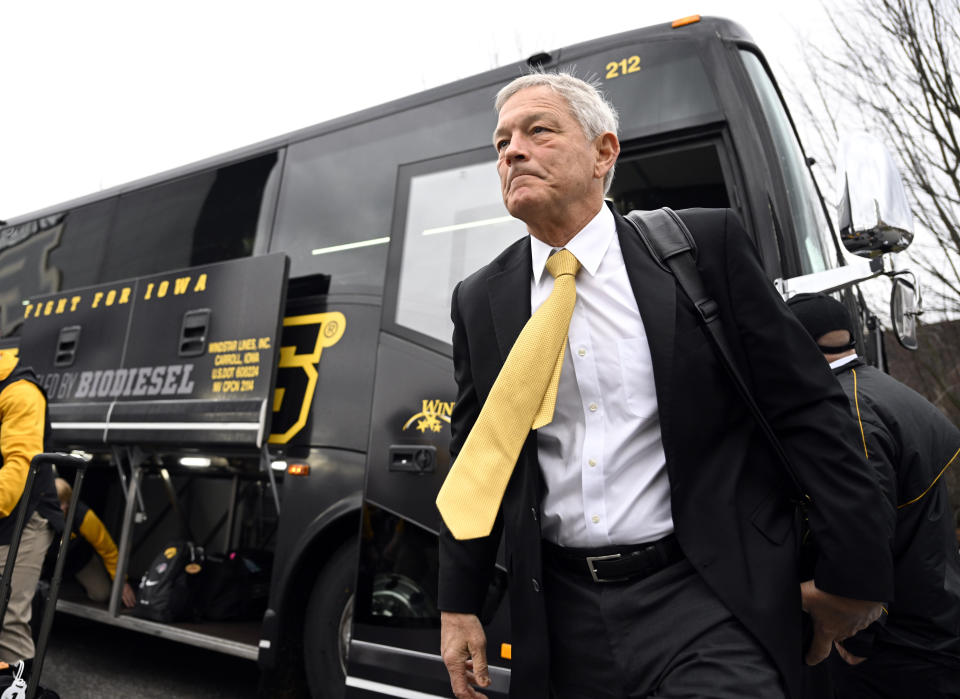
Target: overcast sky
[(101, 92)]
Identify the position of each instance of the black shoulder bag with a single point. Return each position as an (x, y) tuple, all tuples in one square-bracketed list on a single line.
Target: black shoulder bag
[(672, 246)]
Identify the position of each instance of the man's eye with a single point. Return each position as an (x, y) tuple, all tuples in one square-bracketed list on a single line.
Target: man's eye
[(539, 129), (502, 144)]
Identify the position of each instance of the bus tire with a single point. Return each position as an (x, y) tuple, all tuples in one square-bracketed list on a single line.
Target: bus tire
[(326, 629)]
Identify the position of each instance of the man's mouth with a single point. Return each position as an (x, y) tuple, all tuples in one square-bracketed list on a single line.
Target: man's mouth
[(514, 179)]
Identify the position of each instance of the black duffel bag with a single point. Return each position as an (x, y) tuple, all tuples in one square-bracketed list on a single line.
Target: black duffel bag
[(234, 586)]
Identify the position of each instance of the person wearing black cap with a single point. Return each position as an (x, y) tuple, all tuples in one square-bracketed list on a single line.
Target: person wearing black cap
[(915, 650)]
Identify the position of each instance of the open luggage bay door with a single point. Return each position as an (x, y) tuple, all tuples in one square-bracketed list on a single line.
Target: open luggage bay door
[(185, 358)]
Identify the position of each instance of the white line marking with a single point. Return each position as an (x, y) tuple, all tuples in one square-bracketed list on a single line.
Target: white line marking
[(253, 426)]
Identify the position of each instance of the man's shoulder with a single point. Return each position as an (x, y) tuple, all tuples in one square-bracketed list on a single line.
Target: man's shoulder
[(881, 387), (700, 218), (19, 385), (713, 226), (20, 374), (706, 217), (859, 382), (883, 394), (709, 225)]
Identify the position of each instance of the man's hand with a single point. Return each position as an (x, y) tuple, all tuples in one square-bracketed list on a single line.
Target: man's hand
[(128, 597), (848, 657), (835, 618), (463, 646)]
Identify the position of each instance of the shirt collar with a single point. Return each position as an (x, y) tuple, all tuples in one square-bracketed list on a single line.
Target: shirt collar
[(589, 245), (843, 361)]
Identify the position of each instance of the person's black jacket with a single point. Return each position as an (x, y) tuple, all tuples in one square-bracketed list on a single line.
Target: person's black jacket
[(730, 497), (911, 445)]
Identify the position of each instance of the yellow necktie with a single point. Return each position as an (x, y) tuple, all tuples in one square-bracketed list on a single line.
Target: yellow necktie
[(522, 398)]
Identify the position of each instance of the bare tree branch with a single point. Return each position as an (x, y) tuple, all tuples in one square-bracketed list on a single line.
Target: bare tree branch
[(893, 71), (890, 70)]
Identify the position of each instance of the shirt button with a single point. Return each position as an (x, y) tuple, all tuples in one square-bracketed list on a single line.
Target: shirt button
[(533, 511), (593, 407), (595, 519), (582, 352), (536, 585), (592, 462)]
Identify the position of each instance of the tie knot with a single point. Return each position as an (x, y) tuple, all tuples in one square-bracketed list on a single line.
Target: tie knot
[(563, 262)]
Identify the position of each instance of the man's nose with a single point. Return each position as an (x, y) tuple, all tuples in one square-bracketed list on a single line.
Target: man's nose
[(515, 150)]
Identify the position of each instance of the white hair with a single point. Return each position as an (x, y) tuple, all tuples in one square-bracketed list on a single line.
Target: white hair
[(587, 104)]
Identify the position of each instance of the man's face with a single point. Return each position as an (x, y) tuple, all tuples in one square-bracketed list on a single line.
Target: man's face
[(545, 161)]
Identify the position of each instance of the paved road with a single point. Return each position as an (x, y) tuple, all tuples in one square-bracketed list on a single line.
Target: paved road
[(87, 660)]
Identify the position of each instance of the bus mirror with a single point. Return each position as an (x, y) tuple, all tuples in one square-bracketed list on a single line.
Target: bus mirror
[(905, 306), (873, 214)]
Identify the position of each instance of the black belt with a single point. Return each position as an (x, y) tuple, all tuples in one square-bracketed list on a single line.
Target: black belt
[(616, 563)]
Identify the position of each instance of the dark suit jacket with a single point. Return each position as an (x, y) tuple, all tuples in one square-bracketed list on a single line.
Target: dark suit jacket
[(729, 495), (910, 444)]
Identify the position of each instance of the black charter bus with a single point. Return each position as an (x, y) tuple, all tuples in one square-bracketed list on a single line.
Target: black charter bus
[(254, 350)]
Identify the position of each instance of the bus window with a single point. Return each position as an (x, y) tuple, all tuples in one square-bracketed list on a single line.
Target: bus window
[(78, 254), (809, 221), (193, 220), (334, 210), (679, 177), (453, 223), (50, 254)]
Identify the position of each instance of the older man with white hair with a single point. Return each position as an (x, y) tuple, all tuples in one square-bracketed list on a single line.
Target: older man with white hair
[(649, 534)]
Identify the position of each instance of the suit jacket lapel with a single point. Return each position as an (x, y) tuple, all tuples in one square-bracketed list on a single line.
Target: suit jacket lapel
[(656, 293), (509, 293)]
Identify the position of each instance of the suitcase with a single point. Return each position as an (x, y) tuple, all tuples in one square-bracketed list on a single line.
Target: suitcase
[(50, 607)]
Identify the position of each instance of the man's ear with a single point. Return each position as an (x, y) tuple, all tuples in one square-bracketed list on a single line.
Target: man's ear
[(608, 148)]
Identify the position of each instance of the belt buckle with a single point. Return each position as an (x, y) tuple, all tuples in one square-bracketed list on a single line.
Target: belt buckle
[(593, 571)]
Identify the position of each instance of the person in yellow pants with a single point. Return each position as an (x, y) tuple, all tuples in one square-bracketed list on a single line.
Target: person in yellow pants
[(90, 536)]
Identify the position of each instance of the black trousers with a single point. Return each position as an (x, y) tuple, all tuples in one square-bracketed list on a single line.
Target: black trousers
[(663, 636), (894, 674)]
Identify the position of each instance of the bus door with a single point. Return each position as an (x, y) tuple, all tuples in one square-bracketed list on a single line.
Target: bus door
[(449, 220)]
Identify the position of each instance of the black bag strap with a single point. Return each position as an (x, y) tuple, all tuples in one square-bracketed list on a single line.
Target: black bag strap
[(674, 249)]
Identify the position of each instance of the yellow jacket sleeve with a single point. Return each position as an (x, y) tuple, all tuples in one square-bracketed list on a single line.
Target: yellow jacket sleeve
[(22, 411), (92, 529)]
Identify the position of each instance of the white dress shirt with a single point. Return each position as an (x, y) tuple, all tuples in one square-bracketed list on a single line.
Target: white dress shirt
[(602, 457)]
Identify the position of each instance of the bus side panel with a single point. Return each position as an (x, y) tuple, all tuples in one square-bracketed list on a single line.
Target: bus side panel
[(324, 376), (321, 412), (396, 607)]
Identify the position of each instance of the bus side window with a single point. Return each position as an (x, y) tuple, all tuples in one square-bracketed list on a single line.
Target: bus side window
[(452, 221), (194, 220), (809, 221), (333, 211)]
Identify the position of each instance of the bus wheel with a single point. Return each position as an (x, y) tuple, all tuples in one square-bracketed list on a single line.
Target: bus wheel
[(326, 631)]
